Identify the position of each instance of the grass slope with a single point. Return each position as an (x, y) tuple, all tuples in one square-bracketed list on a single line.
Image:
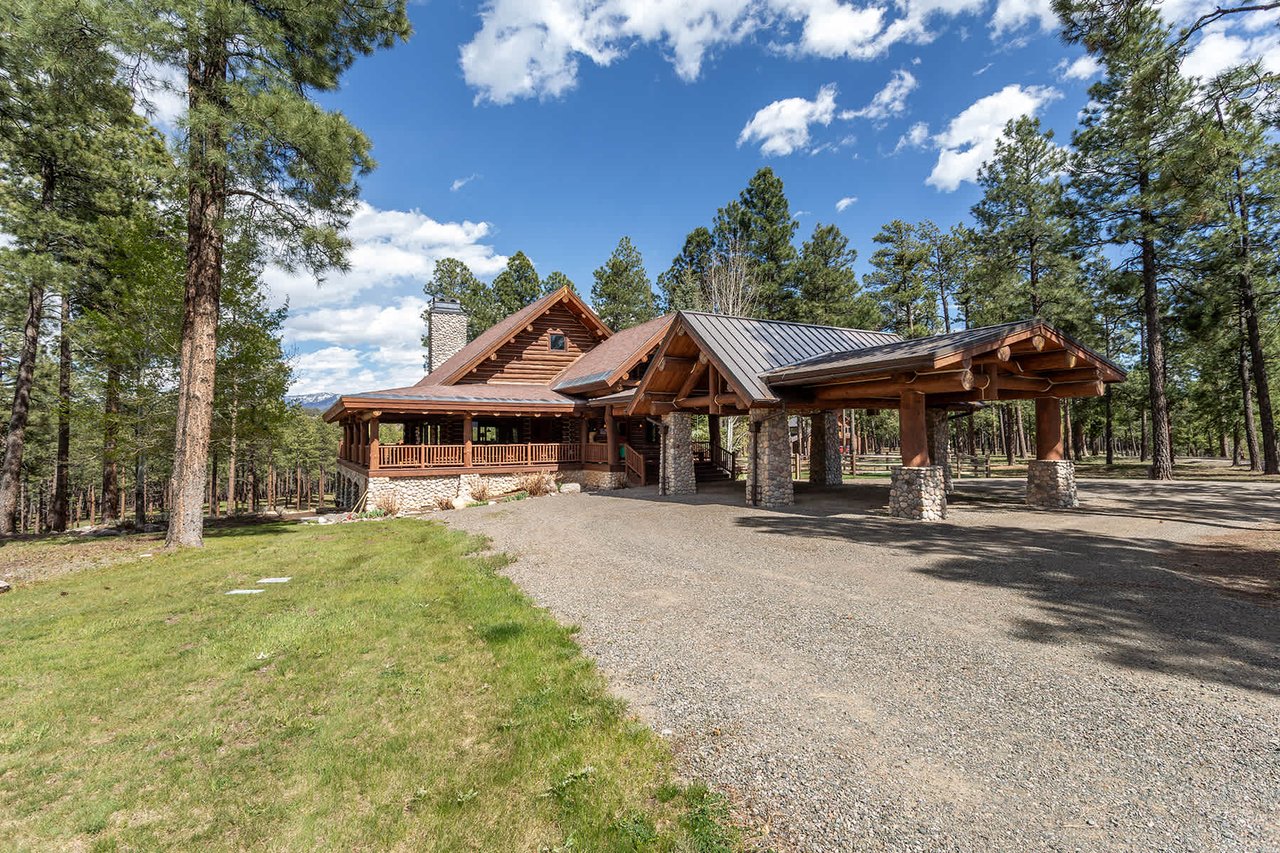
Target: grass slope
[(397, 694)]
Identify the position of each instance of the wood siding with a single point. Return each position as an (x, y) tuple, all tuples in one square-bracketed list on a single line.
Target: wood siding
[(527, 359)]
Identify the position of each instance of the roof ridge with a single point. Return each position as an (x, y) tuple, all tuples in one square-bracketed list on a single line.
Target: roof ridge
[(788, 323)]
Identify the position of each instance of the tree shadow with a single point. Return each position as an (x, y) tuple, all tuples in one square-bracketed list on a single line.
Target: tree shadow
[(1118, 595)]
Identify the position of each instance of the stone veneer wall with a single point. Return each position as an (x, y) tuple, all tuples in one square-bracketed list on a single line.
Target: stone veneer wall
[(424, 492), (918, 493), (772, 446), (824, 450), (676, 475), (1051, 484), (939, 436)]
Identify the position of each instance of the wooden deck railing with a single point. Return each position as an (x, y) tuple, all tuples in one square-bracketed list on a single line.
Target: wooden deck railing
[(633, 460), (407, 456), (596, 453)]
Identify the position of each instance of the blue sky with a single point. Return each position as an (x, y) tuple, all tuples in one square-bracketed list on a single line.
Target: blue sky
[(557, 126)]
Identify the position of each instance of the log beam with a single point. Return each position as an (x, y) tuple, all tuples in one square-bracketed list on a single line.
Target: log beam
[(1062, 360), (933, 383)]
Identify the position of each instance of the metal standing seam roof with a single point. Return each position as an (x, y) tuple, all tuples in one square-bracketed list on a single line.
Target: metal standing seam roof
[(905, 353), (749, 347)]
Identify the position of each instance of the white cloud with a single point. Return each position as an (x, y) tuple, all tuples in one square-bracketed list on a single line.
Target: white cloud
[(459, 183), (532, 48), (1218, 51), (970, 138), (916, 137), (783, 126), (983, 70), (1083, 68), (889, 101), (1014, 14), (367, 321), (390, 249), (846, 202)]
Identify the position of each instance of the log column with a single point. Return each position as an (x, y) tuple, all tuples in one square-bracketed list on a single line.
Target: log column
[(1051, 480), (610, 436), (917, 489), (824, 450), (466, 440), (373, 443)]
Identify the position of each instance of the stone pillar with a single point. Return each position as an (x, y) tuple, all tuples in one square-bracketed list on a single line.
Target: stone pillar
[(918, 493), (824, 450), (769, 460), (939, 444), (1051, 480), (675, 476)]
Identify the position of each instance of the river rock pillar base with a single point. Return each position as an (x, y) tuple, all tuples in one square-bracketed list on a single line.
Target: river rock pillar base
[(769, 460), (1051, 484), (676, 476), (938, 429), (918, 493), (824, 450)]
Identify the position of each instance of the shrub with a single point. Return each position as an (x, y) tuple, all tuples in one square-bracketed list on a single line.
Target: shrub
[(537, 483), (388, 502), (443, 502), (514, 496), (480, 491)]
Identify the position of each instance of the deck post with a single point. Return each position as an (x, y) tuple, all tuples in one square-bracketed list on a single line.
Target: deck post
[(1051, 480), (466, 441), (373, 444), (610, 436)]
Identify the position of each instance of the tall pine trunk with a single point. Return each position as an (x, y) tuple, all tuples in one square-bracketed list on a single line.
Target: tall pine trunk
[(111, 447), (206, 204), (1246, 399), (62, 461), (1161, 452), (15, 440)]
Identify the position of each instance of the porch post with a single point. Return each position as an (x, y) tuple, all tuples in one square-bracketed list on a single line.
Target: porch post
[(1051, 480), (610, 435), (916, 489), (373, 444), (466, 440)]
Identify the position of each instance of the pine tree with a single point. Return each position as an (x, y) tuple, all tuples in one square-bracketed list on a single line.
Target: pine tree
[(254, 143), (763, 221), (621, 294), (453, 279), (557, 280), (898, 280), (1133, 173), (1024, 219), (682, 284), (827, 290), (516, 286)]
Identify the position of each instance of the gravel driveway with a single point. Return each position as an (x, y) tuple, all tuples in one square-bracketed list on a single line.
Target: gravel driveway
[(1007, 679)]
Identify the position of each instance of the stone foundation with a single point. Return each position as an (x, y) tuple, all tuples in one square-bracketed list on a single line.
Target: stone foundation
[(824, 450), (918, 493), (937, 428), (425, 492), (770, 441), (1051, 484), (675, 475)]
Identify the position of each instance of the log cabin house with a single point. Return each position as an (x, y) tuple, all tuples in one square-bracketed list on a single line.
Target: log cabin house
[(551, 388)]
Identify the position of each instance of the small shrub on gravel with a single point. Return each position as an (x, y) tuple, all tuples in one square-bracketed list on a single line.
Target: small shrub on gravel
[(444, 503), (514, 496), (480, 491), (388, 503)]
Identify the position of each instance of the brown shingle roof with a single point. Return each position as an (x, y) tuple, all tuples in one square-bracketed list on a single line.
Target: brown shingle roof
[(618, 354)]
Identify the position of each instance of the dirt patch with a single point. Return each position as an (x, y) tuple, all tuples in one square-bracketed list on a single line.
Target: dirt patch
[(1245, 563), (26, 560)]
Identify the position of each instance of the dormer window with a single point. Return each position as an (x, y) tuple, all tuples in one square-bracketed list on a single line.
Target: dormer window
[(557, 342)]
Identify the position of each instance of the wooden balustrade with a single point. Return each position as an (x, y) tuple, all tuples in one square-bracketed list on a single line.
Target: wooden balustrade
[(413, 456), (596, 453)]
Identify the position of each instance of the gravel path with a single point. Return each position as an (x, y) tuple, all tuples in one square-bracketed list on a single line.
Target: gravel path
[(1006, 679)]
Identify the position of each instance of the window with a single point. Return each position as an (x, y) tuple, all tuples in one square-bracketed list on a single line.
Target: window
[(557, 341)]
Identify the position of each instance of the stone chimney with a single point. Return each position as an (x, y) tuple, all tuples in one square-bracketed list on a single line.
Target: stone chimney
[(446, 331)]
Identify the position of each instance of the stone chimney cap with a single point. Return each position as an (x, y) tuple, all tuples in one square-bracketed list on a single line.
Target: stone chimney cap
[(446, 306)]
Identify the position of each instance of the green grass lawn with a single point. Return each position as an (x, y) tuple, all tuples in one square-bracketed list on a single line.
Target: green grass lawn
[(397, 694)]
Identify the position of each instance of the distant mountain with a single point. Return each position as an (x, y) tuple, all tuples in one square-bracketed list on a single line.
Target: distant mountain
[(319, 402)]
